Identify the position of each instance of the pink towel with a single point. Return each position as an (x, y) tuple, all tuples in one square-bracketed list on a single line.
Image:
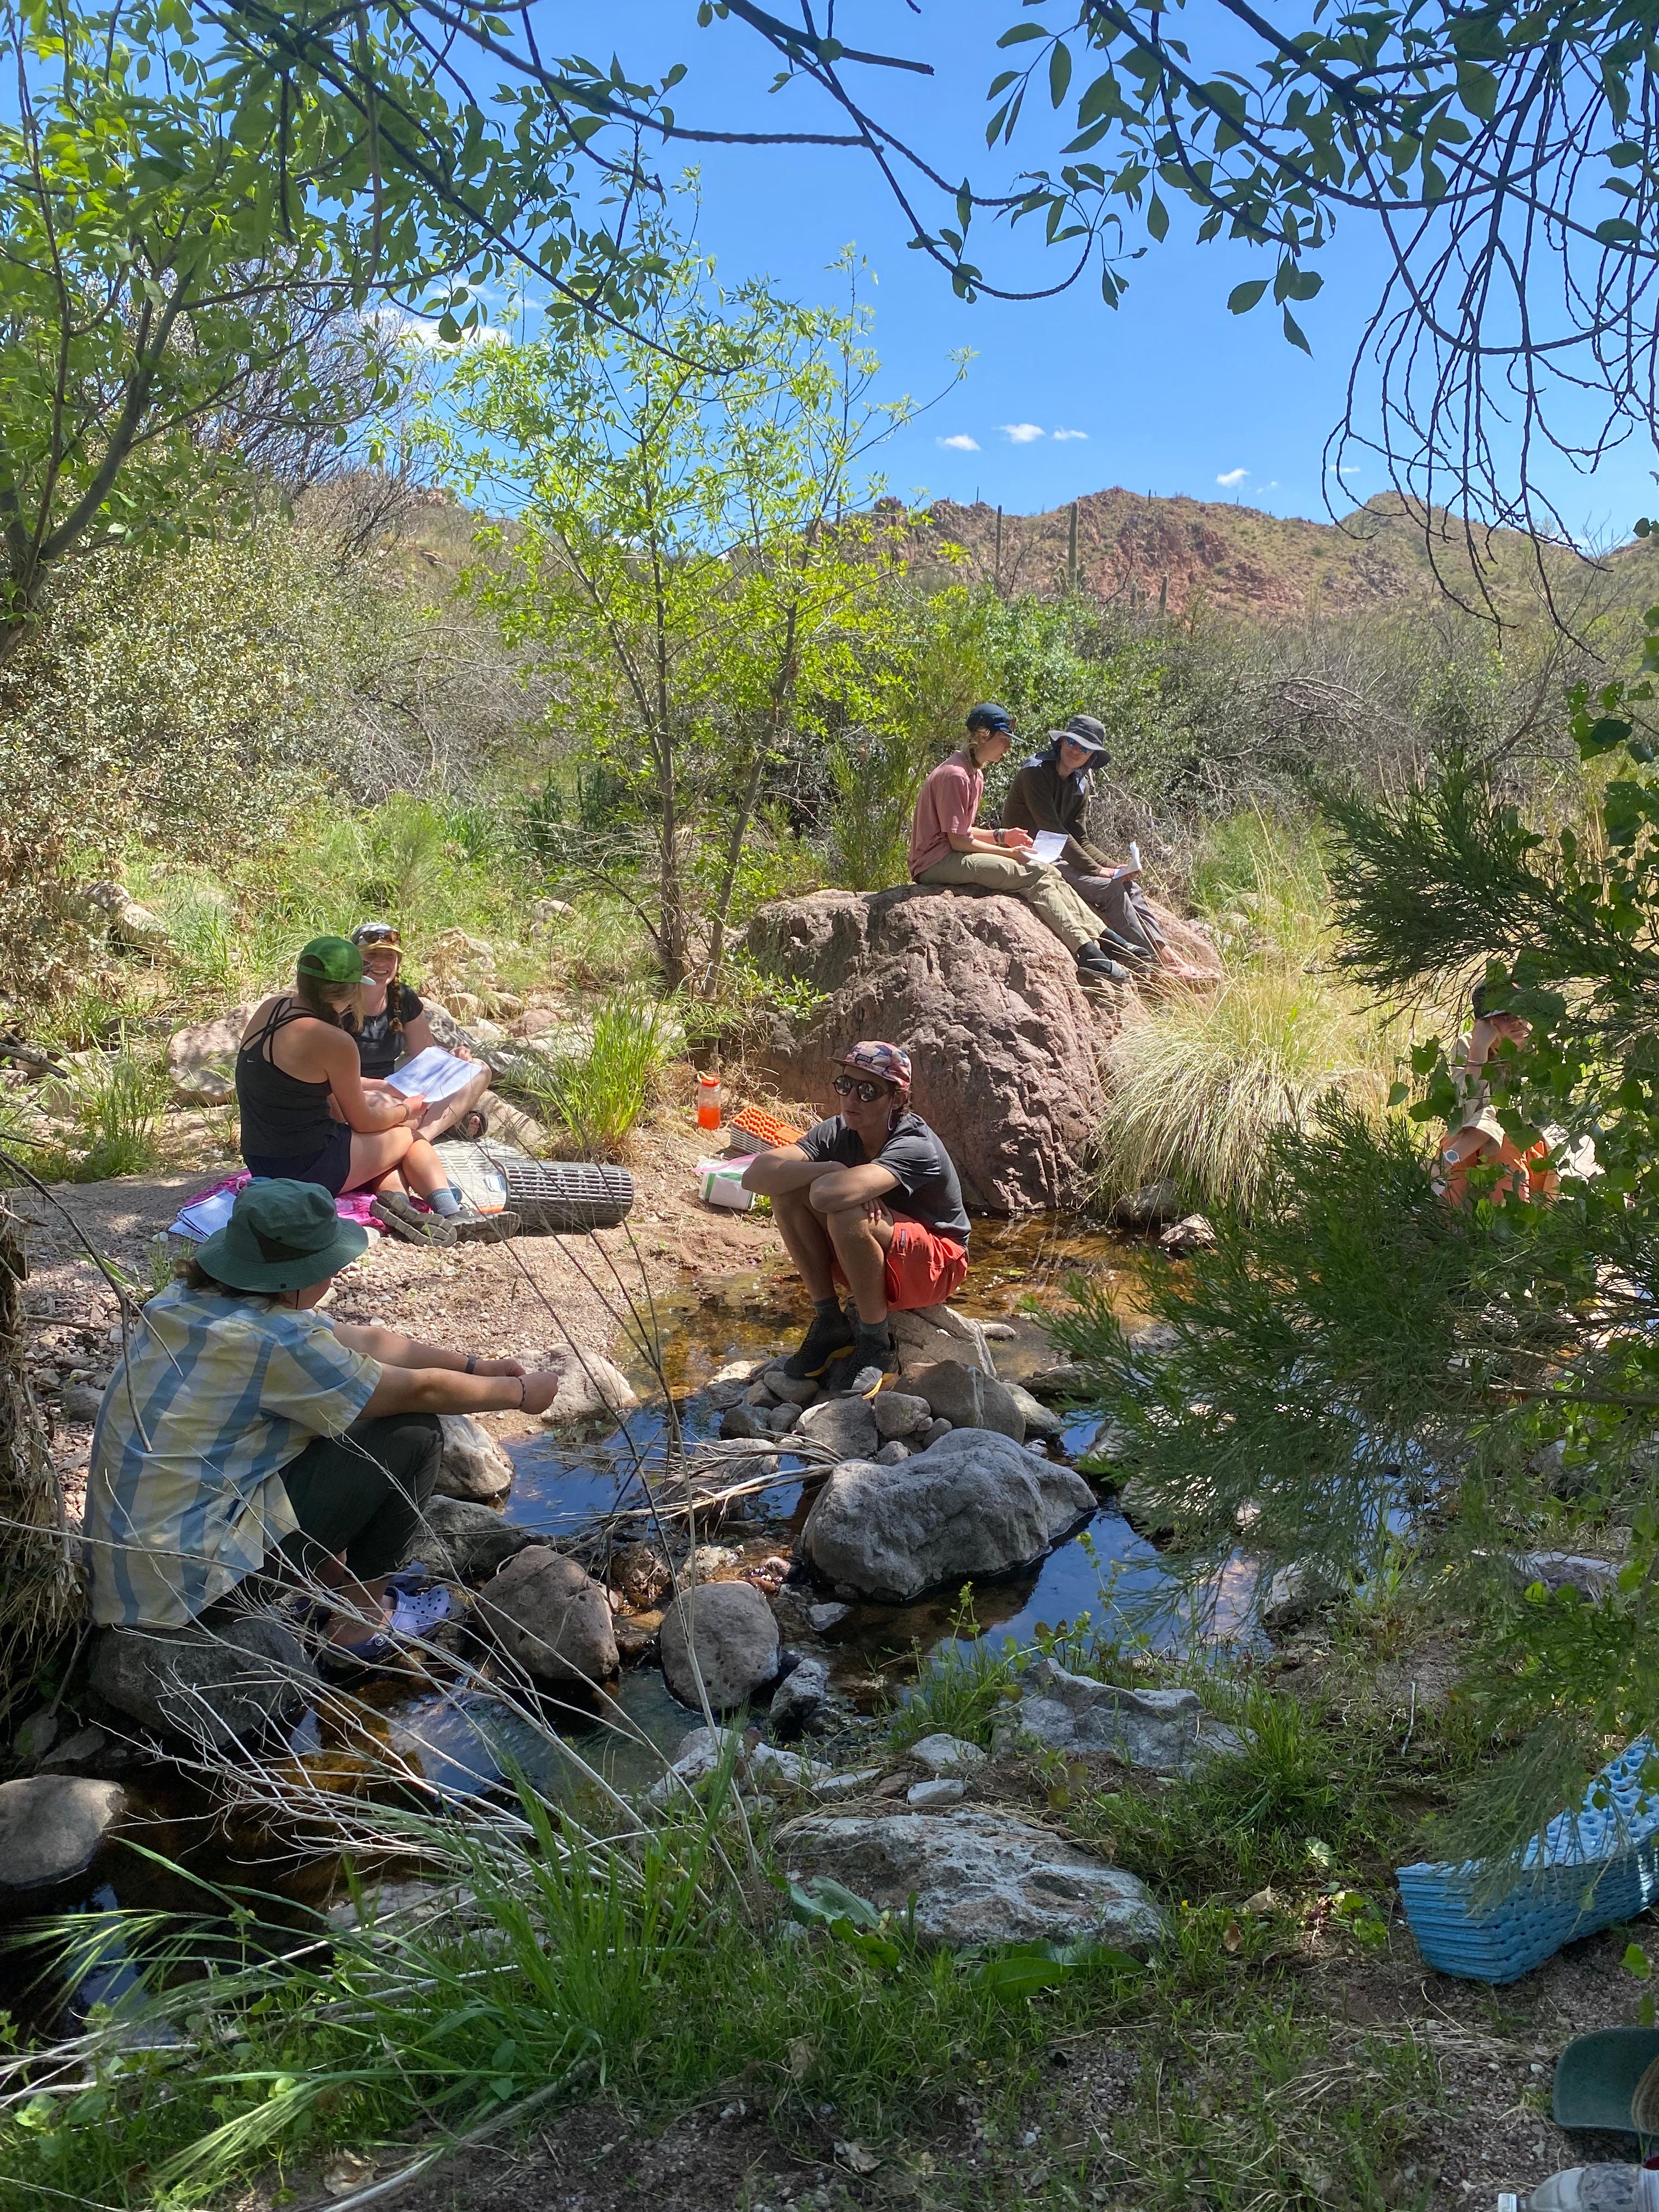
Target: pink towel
[(353, 1206)]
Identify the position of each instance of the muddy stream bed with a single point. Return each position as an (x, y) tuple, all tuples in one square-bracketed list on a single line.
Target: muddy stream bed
[(463, 1744)]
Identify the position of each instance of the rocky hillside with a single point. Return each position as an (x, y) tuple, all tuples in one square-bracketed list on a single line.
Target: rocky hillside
[(1184, 554)]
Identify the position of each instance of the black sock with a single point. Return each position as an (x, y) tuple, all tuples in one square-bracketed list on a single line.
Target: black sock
[(873, 1336), (827, 1308)]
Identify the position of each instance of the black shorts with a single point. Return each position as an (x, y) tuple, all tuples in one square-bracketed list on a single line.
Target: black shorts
[(330, 1167)]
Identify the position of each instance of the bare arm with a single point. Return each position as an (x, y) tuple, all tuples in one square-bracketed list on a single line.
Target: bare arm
[(848, 1187), (368, 1112), (785, 1170), (442, 1390), (393, 1350), (989, 841)]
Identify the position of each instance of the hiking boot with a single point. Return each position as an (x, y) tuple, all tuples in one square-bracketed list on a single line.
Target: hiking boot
[(1093, 967), (400, 1214), (829, 1333), (1133, 957), (472, 1227)]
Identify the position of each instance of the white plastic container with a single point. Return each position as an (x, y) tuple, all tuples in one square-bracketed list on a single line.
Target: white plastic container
[(721, 1183)]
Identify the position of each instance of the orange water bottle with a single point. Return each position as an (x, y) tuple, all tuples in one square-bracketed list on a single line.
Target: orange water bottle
[(708, 1101)]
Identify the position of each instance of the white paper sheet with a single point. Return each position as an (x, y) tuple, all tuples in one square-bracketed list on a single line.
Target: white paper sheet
[(1048, 845), (205, 1217), (434, 1075)]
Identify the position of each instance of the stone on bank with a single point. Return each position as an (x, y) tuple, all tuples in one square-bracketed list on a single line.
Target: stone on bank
[(52, 1828), (730, 1629)]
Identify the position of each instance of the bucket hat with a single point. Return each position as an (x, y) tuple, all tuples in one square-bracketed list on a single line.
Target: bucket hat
[(1084, 730), (280, 1236)]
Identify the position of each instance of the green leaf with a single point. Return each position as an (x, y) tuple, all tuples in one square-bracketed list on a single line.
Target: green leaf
[(1021, 1970), (1293, 331), (1636, 1963), (819, 1900), (1243, 297), (1060, 73), (1158, 219), (1019, 34)]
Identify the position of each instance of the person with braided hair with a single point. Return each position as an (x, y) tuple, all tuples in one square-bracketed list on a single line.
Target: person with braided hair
[(393, 1026)]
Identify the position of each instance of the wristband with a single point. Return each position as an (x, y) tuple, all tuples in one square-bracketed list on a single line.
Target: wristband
[(521, 1384), (472, 1362)]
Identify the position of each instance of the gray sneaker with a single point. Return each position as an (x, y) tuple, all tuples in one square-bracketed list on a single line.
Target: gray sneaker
[(394, 1211)]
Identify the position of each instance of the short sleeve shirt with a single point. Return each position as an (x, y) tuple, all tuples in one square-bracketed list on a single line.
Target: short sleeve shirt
[(379, 1047), (949, 800), (929, 1191), (184, 1494)]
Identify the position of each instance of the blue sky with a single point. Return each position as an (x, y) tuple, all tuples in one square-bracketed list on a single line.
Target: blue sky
[(1167, 393)]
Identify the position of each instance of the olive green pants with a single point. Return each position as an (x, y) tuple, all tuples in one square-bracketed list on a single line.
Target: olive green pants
[(1050, 898)]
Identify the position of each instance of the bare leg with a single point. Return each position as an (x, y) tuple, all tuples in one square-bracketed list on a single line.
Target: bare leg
[(806, 1240), (375, 1158), (422, 1170), (437, 1119), (860, 1247)]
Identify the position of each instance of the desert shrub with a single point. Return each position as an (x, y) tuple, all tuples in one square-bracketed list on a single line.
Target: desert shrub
[(114, 1102)]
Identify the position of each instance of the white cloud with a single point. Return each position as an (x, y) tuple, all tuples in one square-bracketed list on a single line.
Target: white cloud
[(1021, 434), (1061, 436), (961, 443), (1352, 469), (1233, 476)]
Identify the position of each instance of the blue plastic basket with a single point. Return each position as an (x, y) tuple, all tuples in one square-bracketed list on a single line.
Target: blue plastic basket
[(1596, 1867)]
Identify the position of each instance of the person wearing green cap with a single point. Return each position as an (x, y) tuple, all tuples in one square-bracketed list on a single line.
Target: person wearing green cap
[(307, 1116), (242, 1424)]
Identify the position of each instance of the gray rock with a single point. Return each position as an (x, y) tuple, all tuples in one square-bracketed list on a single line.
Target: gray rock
[(892, 1454), (846, 1425), (788, 1389), (701, 1751), (721, 1395), (930, 1434), (1590, 1577), (1149, 1207), (1146, 1516), (1040, 1419), (590, 1388), (831, 1786), (463, 1540), (52, 1826), (759, 1396), (1182, 1238), (799, 1699), (550, 1618), (899, 1414), (202, 1061), (965, 1398), (977, 1877), (81, 1749), (974, 1504), (999, 1332), (824, 1618), (735, 1639), (213, 1683), (783, 1419), (1292, 1595), (947, 1754), (1165, 1731), (1063, 1379), (474, 1465), (36, 1736), (938, 1789), (740, 1421), (79, 1401)]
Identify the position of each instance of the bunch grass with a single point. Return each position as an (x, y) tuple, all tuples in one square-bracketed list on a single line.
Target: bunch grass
[(597, 1093)]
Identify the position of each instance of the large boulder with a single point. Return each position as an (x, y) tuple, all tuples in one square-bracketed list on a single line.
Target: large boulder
[(202, 1061), (52, 1828), (977, 1877), (550, 1618), (464, 1540), (222, 1680), (730, 1628), (1009, 1051), (474, 1465), (973, 1504)]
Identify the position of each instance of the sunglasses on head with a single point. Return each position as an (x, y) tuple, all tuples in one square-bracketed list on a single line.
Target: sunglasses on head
[(849, 1086), (380, 940)]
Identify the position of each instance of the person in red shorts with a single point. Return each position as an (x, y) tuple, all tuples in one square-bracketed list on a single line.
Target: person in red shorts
[(869, 1198)]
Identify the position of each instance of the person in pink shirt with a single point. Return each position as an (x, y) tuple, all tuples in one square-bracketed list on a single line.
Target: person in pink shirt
[(947, 849)]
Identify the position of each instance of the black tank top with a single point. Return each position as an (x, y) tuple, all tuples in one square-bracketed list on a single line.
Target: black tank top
[(283, 1118)]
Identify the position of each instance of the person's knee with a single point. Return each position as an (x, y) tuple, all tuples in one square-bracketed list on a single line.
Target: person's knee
[(849, 1225), (409, 1447)]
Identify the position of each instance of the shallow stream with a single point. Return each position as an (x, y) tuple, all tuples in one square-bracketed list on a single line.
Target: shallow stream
[(463, 1745)]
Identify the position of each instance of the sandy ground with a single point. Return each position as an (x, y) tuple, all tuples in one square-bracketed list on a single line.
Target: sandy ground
[(516, 1300)]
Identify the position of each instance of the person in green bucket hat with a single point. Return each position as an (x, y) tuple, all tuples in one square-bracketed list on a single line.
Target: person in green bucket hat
[(307, 1116), (244, 1432)]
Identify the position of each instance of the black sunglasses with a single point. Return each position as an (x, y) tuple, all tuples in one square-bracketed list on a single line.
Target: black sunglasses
[(848, 1086)]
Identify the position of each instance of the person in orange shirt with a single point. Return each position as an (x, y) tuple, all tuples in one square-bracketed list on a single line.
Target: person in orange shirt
[(1475, 1137)]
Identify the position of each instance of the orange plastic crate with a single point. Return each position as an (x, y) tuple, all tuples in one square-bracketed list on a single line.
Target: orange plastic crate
[(766, 1129)]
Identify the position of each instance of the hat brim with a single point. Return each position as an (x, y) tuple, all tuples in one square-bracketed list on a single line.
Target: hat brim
[(230, 1262), (1088, 744)]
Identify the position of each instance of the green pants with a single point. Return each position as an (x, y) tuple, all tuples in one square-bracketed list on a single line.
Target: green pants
[(360, 1496), (1050, 898)]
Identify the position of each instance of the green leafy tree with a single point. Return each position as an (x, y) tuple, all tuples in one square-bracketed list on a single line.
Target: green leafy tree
[(695, 560)]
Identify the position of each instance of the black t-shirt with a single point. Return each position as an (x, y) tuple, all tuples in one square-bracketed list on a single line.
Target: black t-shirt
[(927, 1192), (379, 1047)]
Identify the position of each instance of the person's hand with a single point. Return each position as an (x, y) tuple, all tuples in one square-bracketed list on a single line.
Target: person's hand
[(1017, 840), (499, 1367), (460, 1051), (414, 1107), (540, 1390)]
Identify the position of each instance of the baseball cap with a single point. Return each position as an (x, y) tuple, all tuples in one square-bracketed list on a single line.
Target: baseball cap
[(886, 1062), (987, 715), (1084, 730), (331, 960), (377, 932)]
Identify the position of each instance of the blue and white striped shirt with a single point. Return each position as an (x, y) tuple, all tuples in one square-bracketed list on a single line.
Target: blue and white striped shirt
[(184, 1494)]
